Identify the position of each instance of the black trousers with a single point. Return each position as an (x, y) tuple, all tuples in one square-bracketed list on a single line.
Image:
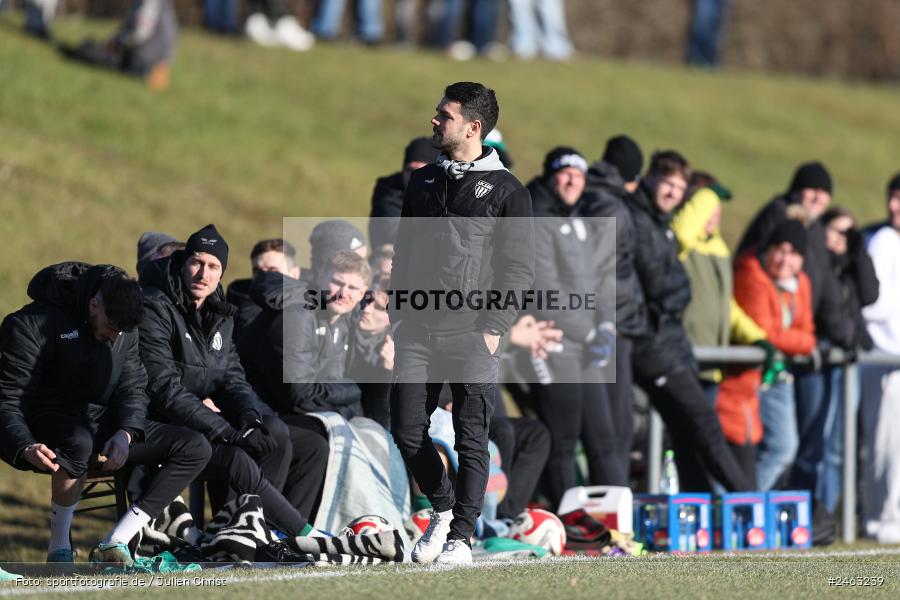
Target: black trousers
[(524, 445), (173, 455), (746, 458), (621, 408), (693, 424), (578, 408), (422, 365), (310, 451)]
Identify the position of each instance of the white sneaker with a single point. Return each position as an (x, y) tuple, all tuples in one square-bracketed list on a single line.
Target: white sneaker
[(292, 35), (432, 541), (258, 30), (455, 552), (462, 50)]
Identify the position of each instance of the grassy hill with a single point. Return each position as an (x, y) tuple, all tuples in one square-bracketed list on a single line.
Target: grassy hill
[(246, 135)]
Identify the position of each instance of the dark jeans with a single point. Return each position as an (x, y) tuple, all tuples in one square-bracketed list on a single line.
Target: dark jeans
[(706, 32), (700, 447), (175, 454), (310, 451), (423, 363), (524, 446)]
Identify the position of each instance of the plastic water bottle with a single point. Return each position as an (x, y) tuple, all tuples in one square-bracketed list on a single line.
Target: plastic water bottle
[(542, 370), (687, 528), (669, 483)]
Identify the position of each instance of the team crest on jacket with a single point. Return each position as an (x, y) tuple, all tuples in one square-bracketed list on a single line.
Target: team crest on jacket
[(217, 341), (482, 188)]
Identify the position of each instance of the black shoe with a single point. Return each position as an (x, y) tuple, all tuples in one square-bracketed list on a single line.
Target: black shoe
[(824, 525), (280, 552)]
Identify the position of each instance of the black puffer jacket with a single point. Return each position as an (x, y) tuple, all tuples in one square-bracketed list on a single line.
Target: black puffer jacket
[(470, 240), (665, 347), (831, 326), (605, 196), (190, 356), (387, 203), (313, 357), (51, 364), (858, 286), (564, 260)]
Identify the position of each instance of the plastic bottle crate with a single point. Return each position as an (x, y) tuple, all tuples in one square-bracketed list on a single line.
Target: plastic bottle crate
[(788, 519), (740, 522), (678, 523)]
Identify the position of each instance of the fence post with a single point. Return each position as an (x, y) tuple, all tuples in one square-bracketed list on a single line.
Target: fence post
[(654, 451), (848, 504)]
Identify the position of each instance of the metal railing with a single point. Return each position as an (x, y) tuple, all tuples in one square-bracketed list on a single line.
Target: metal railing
[(751, 355)]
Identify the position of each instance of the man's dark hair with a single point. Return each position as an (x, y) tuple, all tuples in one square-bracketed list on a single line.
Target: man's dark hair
[(274, 245), (669, 162), (477, 103), (123, 302)]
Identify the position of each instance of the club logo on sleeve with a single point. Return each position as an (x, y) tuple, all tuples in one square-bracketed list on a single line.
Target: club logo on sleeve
[(72, 335), (217, 342), (482, 188)]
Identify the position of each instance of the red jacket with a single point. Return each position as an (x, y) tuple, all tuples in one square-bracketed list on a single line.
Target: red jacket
[(755, 292)]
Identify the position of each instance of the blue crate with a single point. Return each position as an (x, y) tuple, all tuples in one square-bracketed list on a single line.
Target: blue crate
[(678, 523), (740, 522), (788, 519)]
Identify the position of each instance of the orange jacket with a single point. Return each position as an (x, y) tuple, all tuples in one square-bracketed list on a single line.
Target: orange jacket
[(755, 292)]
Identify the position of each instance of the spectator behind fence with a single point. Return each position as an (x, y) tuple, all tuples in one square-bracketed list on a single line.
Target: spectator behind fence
[(144, 45), (478, 30), (881, 385), (72, 394), (539, 26), (770, 286), (610, 183), (712, 318), (664, 361), (820, 455), (187, 347), (270, 24), (330, 16), (576, 405)]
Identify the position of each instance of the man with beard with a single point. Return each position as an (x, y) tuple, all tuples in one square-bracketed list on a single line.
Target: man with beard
[(476, 237)]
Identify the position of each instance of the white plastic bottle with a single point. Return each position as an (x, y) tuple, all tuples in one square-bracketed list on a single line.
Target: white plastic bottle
[(668, 484)]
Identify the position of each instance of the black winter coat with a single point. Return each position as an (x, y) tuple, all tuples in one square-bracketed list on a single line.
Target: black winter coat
[(51, 365), (471, 241), (190, 356), (314, 355), (605, 196), (665, 347), (565, 260), (831, 327), (858, 286), (387, 204)]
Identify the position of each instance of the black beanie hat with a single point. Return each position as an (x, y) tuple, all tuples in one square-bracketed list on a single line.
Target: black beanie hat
[(791, 231), (420, 149), (812, 175), (210, 241), (330, 237), (561, 157), (625, 154), (893, 184)]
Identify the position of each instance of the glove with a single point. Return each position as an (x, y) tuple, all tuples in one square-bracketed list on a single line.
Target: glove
[(254, 438), (601, 345), (773, 365), (770, 351)]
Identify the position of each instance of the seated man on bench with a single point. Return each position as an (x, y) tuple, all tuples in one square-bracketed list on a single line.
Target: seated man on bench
[(72, 386)]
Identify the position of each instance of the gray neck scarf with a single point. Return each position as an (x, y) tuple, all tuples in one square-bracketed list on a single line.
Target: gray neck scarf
[(455, 169)]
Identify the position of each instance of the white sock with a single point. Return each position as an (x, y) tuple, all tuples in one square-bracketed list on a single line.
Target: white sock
[(128, 526), (60, 526)]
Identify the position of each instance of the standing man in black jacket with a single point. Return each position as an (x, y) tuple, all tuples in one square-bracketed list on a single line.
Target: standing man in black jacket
[(72, 386), (608, 188), (196, 378), (664, 362), (475, 237)]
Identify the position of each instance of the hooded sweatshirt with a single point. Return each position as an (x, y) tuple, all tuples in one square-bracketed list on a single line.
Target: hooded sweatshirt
[(469, 234), (51, 366)]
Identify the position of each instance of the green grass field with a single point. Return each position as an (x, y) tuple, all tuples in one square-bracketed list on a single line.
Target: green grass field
[(246, 136)]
